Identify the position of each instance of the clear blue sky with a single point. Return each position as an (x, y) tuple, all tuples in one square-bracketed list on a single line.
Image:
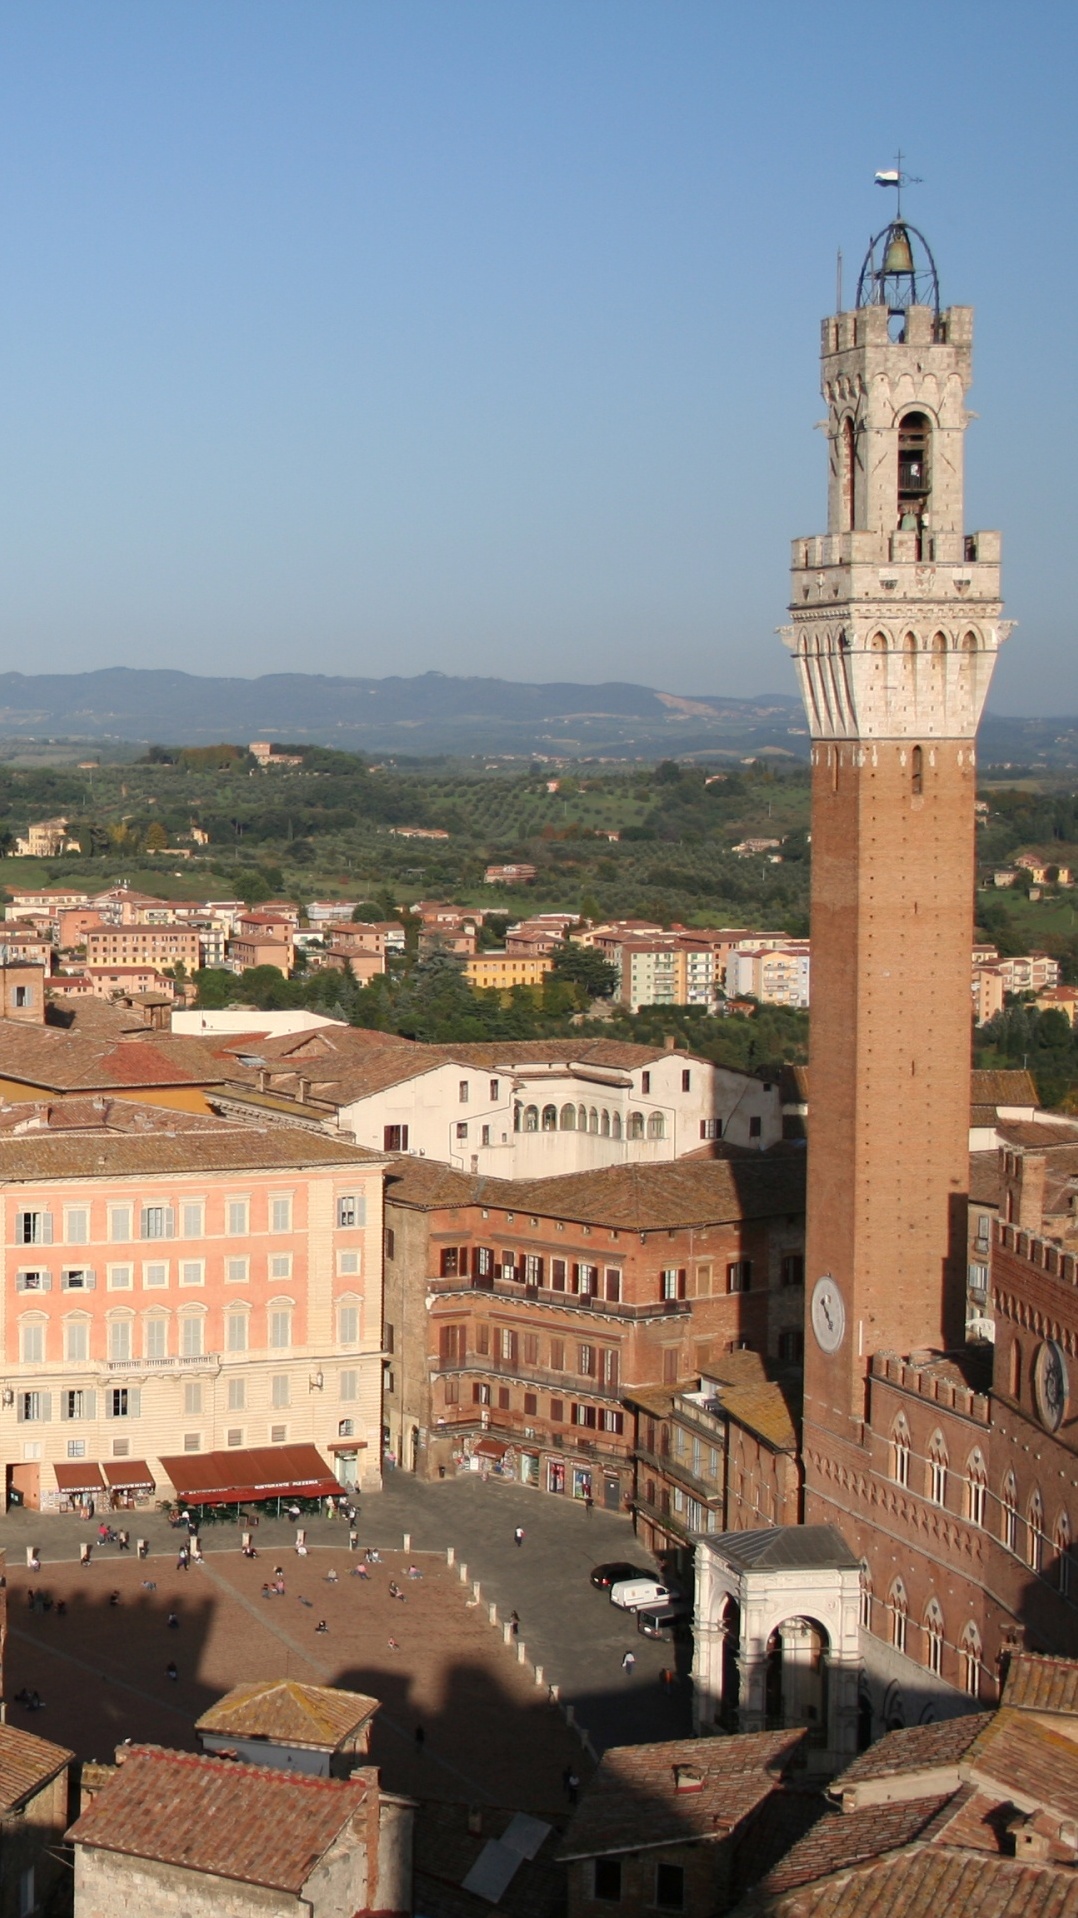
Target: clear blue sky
[(381, 335)]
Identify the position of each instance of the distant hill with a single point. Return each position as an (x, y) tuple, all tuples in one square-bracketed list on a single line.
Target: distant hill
[(432, 713), (436, 713)]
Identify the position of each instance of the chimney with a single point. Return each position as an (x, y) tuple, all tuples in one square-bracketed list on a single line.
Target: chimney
[(688, 1778), (303, 1090)]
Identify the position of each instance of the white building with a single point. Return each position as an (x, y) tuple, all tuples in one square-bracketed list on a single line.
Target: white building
[(779, 977)]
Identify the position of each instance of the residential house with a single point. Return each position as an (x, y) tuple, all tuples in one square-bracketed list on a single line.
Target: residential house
[(520, 874), (35, 1778), (45, 839), (330, 912), (113, 982), (778, 976), (500, 971), (174, 1833), (519, 1313), (1044, 871), (317, 1729), (143, 944), (41, 902), (247, 950)]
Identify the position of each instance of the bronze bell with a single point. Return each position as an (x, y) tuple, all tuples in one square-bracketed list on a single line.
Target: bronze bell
[(899, 255)]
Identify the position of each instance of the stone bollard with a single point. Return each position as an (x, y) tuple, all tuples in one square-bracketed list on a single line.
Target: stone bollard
[(450, 1554), (477, 1591), (539, 1674), (142, 1547), (570, 1715), (246, 1540), (33, 1563), (507, 1632), (554, 1694), (84, 1553), (463, 1570), (522, 1652), (407, 1541), (492, 1614)]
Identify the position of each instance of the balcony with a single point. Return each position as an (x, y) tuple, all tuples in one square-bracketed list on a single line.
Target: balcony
[(108, 1368), (544, 1296)]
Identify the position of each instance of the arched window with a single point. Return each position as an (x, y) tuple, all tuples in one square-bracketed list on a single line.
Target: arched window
[(866, 1596), (847, 470), (1009, 1508), (1015, 1367), (593, 1120), (969, 1658), (909, 644), (582, 1118), (550, 1118), (636, 1125), (917, 772), (1062, 1544), (936, 1471), (879, 642), (934, 1638), (1035, 1533), (604, 1123), (899, 1612), (656, 1126), (939, 645), (914, 470), (568, 1118), (615, 1126), (976, 1487), (970, 643), (516, 1115), (531, 1118), (900, 1451)]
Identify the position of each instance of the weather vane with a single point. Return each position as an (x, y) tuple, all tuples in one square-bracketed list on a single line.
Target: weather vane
[(894, 176)]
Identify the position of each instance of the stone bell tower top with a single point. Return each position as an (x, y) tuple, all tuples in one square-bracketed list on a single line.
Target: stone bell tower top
[(896, 609)]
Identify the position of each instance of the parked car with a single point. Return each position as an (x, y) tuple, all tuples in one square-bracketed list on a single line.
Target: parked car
[(604, 1576), (668, 1622), (631, 1593)]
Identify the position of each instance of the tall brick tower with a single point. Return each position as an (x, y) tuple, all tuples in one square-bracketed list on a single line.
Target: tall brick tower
[(895, 628)]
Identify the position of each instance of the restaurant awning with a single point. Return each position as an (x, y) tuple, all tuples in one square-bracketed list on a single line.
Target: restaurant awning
[(241, 1477), (490, 1448), (81, 1475), (128, 1475)]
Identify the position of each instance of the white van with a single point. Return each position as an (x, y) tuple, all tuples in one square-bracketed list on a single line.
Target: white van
[(631, 1593)]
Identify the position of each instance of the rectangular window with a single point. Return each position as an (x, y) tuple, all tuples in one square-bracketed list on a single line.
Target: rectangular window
[(462, 1092), (77, 1340), (670, 1887), (191, 1338), (507, 1346), (585, 1415), (280, 1394), (155, 1338), (194, 1215), (449, 1267), (451, 1346), (557, 1275), (278, 1434), (78, 1405), (395, 1138), (192, 1272), (158, 1222), (27, 1892), (121, 1448), (531, 1348), (77, 1225), (978, 1281), (351, 1210), (281, 1214), (33, 1282), (739, 1275), (645, 1082), (348, 1385), (670, 1364), (35, 1407), (192, 1401), (509, 1266), (33, 1228), (76, 1448), (480, 1394), (585, 1361), (77, 1278), (482, 1337), (120, 1278), (237, 1395), (610, 1367), (451, 1391), (389, 1246), (234, 1435), (755, 1128), (155, 1276), (350, 1264), (462, 1129), (236, 1332), (533, 1269), (484, 1135), (587, 1281), (503, 1398), (33, 1344), (531, 1405), (237, 1271), (613, 1284), (348, 1325), (122, 1402), (673, 1282), (612, 1421), (791, 1346), (280, 1329), (495, 1091), (280, 1265), (793, 1269), (237, 1214), (557, 1355), (557, 1411), (686, 1081), (192, 1441), (120, 1340)]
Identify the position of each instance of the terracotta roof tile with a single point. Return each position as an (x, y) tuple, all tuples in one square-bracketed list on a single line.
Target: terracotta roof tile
[(840, 1839), (634, 1799), (928, 1880), (634, 1198), (917, 1748), (34, 1156), (1017, 1753), (1037, 1683), (244, 1822), (26, 1763), (289, 1713)]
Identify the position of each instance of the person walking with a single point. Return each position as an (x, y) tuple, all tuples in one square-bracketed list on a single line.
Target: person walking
[(628, 1663), (518, 1535), (171, 1671)]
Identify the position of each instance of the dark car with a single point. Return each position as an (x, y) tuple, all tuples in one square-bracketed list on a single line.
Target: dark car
[(604, 1576)]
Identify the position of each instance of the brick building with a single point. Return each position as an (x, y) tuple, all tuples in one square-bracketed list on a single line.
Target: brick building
[(520, 1313)]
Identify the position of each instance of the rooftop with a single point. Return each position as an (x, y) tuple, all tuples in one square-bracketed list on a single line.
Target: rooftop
[(26, 1763), (781, 1548), (926, 1880), (683, 1791), (634, 1198), (1037, 1683), (287, 1713), (206, 1147), (243, 1822), (916, 1748)]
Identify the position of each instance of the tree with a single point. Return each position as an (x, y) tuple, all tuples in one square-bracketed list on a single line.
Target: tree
[(583, 966), (156, 838)]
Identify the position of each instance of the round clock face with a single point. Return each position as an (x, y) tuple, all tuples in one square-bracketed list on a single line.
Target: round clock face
[(828, 1314), (1050, 1384)]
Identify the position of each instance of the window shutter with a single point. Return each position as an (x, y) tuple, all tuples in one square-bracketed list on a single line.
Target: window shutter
[(46, 1405), (20, 1406), (20, 1228), (170, 1222), (682, 1279), (108, 1404), (46, 1282), (46, 1228), (89, 1404), (89, 1280), (65, 1405), (134, 1401)]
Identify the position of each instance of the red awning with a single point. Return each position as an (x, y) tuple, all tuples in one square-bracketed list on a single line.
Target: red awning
[(490, 1448), (80, 1476), (128, 1475), (242, 1477)]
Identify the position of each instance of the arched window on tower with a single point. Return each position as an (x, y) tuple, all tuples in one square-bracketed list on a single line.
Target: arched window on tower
[(1016, 1366), (866, 1596), (917, 772), (1009, 1507), (976, 1488), (1035, 1533), (1063, 1563), (914, 470), (899, 1611), (936, 1472), (934, 1637), (900, 1451), (847, 473), (969, 1656)]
